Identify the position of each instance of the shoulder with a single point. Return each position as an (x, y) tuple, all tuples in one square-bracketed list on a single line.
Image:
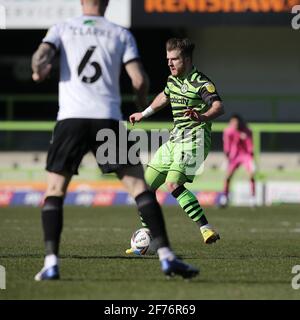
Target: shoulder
[(194, 78), (170, 78), (229, 131), (57, 27), (173, 83), (200, 80), (121, 31), (54, 34), (125, 36)]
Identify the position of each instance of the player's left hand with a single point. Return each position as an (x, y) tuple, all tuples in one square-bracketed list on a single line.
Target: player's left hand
[(193, 114)]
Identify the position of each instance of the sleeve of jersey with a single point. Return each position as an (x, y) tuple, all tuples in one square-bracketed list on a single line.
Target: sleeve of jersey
[(130, 49), (53, 37), (208, 93), (167, 91)]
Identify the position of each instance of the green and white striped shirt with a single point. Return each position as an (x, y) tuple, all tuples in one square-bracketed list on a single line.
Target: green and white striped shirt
[(195, 91)]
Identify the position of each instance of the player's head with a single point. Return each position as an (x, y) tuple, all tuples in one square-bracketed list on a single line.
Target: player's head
[(237, 122), (179, 56), (94, 6)]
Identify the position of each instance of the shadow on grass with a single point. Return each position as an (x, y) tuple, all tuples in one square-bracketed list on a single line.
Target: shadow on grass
[(80, 257), (149, 257), (177, 279)]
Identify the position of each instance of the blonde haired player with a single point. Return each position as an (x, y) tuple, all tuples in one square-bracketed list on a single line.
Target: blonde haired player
[(195, 104)]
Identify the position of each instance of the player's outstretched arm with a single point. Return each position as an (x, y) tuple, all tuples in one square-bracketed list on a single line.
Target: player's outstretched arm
[(159, 102), (41, 62)]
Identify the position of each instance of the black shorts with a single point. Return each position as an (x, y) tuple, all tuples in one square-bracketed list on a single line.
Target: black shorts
[(73, 138)]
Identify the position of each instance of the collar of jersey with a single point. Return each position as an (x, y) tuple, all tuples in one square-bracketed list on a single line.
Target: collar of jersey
[(187, 76)]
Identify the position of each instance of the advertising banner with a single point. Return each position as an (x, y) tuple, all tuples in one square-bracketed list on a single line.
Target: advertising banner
[(101, 193), (183, 13), (241, 195), (282, 192)]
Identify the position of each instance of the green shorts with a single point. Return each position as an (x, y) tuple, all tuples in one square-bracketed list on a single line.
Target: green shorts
[(178, 162)]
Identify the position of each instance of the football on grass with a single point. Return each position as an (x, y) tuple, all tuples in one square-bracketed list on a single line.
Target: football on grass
[(141, 241)]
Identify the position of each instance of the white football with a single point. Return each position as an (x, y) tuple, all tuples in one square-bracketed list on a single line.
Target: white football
[(141, 241)]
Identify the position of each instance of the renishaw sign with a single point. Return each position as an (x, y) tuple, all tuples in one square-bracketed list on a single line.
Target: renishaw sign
[(206, 12)]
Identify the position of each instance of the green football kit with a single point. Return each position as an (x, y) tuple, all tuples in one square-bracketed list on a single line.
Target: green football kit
[(182, 157)]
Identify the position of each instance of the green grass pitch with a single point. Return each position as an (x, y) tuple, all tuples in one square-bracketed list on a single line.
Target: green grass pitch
[(253, 259)]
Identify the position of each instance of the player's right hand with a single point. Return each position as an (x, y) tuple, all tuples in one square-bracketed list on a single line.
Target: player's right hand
[(135, 117), (193, 115), (42, 74)]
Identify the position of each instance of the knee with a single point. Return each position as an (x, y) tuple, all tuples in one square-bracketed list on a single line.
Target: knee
[(171, 186), (139, 186), (54, 190), (57, 184)]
